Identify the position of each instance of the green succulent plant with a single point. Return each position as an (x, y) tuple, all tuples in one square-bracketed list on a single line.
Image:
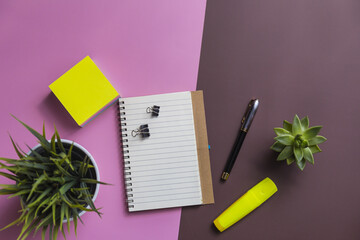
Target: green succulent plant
[(296, 142), (53, 186)]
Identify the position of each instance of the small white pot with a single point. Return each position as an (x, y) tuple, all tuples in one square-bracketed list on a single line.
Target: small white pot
[(93, 163)]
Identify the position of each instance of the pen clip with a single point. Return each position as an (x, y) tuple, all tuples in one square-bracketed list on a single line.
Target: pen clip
[(249, 114)]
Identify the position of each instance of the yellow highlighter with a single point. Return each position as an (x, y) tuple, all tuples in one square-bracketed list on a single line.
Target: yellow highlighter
[(246, 204)]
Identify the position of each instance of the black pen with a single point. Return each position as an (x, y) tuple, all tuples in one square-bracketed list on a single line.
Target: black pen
[(244, 128)]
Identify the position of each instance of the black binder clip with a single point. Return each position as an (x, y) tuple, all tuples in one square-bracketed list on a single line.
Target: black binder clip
[(143, 131), (154, 110)]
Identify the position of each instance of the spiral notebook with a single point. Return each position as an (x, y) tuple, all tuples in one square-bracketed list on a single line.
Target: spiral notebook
[(166, 153)]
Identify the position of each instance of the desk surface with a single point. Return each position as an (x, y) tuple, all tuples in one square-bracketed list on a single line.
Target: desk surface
[(297, 57), (142, 47)]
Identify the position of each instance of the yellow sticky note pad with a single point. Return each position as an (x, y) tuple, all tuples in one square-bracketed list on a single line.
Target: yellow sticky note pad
[(84, 91)]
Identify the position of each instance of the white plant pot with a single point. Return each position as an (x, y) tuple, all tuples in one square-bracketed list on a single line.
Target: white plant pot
[(81, 148)]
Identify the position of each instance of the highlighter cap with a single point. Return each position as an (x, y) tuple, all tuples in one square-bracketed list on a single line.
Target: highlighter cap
[(246, 204), (264, 190)]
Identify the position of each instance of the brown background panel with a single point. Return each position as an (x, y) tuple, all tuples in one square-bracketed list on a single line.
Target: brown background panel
[(297, 57)]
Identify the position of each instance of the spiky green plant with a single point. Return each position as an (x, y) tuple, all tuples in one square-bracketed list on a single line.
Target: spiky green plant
[(296, 142), (53, 185)]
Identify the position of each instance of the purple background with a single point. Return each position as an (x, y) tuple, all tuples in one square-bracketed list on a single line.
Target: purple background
[(142, 47), (296, 56)]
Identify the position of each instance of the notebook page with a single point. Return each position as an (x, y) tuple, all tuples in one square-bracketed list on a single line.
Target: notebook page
[(162, 170)]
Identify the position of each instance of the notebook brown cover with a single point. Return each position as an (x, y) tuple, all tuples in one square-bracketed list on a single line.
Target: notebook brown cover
[(202, 147)]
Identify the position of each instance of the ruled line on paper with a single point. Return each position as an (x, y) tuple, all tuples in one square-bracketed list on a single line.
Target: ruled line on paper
[(171, 131), (166, 184), (135, 140), (163, 108), (177, 125), (162, 178), (158, 169), (133, 119), (159, 158), (182, 110), (142, 150), (165, 200), (141, 155), (157, 122), (161, 190), (174, 178), (170, 194), (159, 143), (155, 100), (168, 131), (155, 164)]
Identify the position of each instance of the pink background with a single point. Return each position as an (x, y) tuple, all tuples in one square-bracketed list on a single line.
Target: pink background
[(143, 47)]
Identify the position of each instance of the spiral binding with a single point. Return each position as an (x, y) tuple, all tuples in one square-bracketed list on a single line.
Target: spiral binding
[(124, 136)]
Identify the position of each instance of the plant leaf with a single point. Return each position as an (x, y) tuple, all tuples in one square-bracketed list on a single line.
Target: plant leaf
[(281, 131), (305, 123), (20, 155), (33, 225), (45, 222), (308, 155), (62, 170), (15, 222), (51, 232), (299, 154), (67, 160), (301, 164), (86, 166), (82, 167), (277, 147), (26, 164), (10, 176), (296, 127), (285, 139), (28, 220), (93, 181), (6, 191), (312, 132), (287, 126), (70, 151), (43, 232), (286, 153), (43, 194), (316, 140), (44, 135), (56, 231), (290, 160), (43, 203), (75, 217), (22, 192), (52, 202), (58, 140), (66, 187), (35, 185), (89, 200), (52, 142), (63, 232), (62, 214), (315, 149), (67, 215), (54, 214), (35, 133), (10, 187), (37, 156), (29, 230)]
